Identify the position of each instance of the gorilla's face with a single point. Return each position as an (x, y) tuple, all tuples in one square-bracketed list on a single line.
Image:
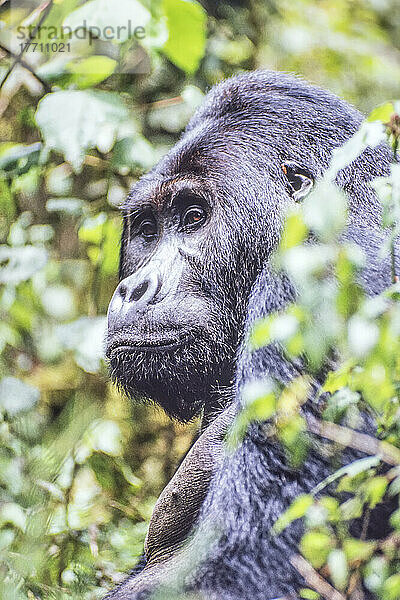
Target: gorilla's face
[(173, 320)]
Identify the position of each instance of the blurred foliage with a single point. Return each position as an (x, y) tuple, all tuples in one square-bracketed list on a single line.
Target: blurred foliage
[(80, 121), (335, 318)]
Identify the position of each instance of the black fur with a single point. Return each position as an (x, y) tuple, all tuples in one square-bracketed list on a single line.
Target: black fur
[(235, 145)]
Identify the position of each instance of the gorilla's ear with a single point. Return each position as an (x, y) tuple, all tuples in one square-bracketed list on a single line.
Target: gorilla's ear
[(300, 181)]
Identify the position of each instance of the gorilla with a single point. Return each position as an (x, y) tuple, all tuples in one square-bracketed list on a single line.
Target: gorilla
[(196, 273)]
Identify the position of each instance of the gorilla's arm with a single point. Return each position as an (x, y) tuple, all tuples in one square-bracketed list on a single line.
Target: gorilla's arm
[(179, 504), (176, 511)]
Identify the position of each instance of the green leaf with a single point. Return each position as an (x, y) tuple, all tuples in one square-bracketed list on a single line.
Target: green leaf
[(278, 327), (381, 113), (325, 210), (296, 510), (110, 259), (58, 301), (362, 335), (40, 234), (88, 116), (59, 180), (351, 509), (13, 513), (116, 20), (186, 21), (259, 400), (356, 550), (315, 547), (369, 134), (261, 333), (106, 437), (308, 594), (295, 231), (394, 488), (133, 152), (375, 489), (173, 118), (17, 396), (395, 519), (293, 436), (376, 573), (331, 505), (19, 157), (92, 229), (7, 204), (259, 404), (90, 71), (339, 404), (391, 588), (27, 182)]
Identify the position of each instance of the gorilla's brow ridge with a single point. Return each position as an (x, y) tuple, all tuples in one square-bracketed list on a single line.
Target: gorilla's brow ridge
[(163, 194)]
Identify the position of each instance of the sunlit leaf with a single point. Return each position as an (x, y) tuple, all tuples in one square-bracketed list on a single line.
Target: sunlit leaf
[(296, 510), (315, 547), (12, 513), (352, 469), (186, 21), (375, 489), (391, 588), (381, 113), (107, 113), (90, 71), (92, 229), (358, 549)]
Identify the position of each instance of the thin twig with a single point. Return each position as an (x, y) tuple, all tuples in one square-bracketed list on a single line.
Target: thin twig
[(353, 439), (165, 102), (26, 66), (395, 277), (314, 579), (365, 525)]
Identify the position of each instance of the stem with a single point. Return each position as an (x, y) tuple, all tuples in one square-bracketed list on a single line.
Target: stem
[(395, 277), (314, 579), (24, 64)]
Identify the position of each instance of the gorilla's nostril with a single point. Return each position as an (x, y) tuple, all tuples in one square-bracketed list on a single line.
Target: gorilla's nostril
[(138, 292)]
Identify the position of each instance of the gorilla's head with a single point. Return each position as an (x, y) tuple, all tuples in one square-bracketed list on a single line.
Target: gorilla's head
[(199, 227)]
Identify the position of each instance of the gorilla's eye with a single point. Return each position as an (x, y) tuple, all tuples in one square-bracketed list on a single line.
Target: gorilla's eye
[(193, 217), (147, 228), (300, 180)]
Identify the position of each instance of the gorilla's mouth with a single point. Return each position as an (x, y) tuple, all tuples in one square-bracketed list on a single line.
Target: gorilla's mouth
[(147, 344)]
